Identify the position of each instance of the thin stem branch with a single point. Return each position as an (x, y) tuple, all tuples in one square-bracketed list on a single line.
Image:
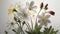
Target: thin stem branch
[(31, 22), (28, 26), (37, 15), (20, 27)]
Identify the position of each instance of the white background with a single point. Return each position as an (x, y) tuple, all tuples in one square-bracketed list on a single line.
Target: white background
[(53, 4)]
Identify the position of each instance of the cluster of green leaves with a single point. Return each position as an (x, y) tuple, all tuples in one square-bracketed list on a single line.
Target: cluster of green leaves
[(6, 32), (50, 30), (36, 30), (16, 30), (47, 30)]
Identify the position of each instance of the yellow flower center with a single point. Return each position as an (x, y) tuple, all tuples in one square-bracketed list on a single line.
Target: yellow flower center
[(19, 6), (33, 15), (11, 23), (24, 14), (30, 8), (44, 19)]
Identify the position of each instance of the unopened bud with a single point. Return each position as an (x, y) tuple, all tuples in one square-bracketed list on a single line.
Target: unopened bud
[(51, 12), (41, 6)]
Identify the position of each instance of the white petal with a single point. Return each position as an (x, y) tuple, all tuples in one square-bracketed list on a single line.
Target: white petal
[(45, 24), (39, 21), (39, 16), (27, 3), (41, 24), (34, 7), (47, 16), (32, 3), (48, 21), (34, 11)]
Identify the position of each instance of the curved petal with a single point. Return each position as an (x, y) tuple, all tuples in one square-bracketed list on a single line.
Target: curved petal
[(41, 24), (47, 16), (34, 7), (39, 16), (45, 24), (27, 4), (48, 21), (32, 3), (34, 11)]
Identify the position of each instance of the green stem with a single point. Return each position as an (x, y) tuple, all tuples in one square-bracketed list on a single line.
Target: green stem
[(19, 25), (31, 23), (21, 28), (28, 26), (37, 15)]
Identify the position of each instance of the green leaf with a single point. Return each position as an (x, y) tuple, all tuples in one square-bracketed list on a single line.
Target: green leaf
[(14, 31), (17, 30), (23, 22), (52, 31), (15, 18), (6, 32), (14, 10), (36, 30), (37, 27), (56, 31), (28, 32), (19, 21), (49, 30)]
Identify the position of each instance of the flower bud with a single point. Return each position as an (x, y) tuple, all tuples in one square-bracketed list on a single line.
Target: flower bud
[(23, 22), (46, 7), (41, 6), (51, 12)]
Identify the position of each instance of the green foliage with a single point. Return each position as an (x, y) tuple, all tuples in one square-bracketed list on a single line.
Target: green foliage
[(14, 10), (16, 19), (23, 22), (50, 30), (19, 21), (36, 30), (6, 32), (17, 30), (37, 27)]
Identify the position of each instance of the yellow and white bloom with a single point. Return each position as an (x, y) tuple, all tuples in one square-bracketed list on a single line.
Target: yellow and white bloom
[(18, 5), (11, 23), (44, 19), (10, 9), (30, 6)]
